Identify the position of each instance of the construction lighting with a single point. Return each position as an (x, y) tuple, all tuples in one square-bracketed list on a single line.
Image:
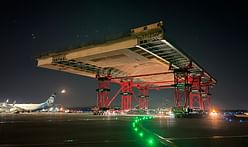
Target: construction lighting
[(213, 113)]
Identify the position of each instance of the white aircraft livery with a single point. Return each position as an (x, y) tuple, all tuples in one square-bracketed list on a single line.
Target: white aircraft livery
[(32, 107)]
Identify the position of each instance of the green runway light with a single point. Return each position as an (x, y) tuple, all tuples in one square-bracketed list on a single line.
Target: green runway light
[(141, 134), (150, 141)]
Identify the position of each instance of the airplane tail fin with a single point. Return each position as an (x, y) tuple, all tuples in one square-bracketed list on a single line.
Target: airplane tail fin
[(6, 103), (50, 100)]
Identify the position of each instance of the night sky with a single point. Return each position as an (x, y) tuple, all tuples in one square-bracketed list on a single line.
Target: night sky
[(213, 33)]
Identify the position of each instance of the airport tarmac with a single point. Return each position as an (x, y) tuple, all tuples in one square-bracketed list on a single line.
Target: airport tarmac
[(200, 132), (64, 129), (69, 129)]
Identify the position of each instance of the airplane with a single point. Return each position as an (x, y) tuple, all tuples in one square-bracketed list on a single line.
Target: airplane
[(17, 108)]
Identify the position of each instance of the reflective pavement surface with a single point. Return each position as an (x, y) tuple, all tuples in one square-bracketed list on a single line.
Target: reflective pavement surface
[(62, 129)]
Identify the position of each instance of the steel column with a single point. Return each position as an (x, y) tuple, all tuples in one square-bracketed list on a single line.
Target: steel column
[(206, 96), (143, 98), (196, 93), (126, 95), (103, 91), (182, 88)]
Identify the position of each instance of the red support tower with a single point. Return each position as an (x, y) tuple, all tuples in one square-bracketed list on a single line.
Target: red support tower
[(195, 97), (182, 88), (103, 91), (126, 95), (206, 96), (143, 98)]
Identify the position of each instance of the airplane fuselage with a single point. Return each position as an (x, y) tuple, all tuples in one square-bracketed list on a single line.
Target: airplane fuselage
[(30, 107)]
